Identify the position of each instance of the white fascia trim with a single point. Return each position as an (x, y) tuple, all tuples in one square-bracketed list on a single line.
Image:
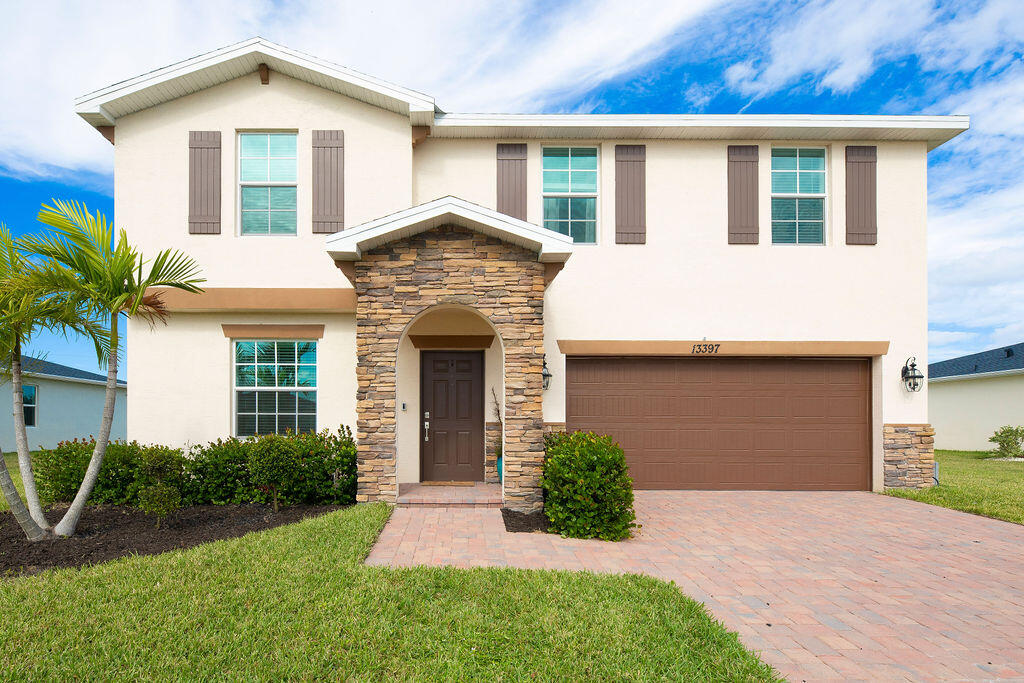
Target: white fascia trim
[(348, 244), (977, 375), (76, 380), (949, 122), (92, 103)]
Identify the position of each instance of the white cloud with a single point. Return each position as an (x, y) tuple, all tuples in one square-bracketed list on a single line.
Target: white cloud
[(837, 41), (470, 55)]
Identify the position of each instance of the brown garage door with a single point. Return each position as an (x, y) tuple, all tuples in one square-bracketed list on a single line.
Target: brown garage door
[(729, 423)]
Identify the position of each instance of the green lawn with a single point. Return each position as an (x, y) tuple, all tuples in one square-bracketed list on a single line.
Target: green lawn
[(296, 602), (12, 466), (974, 483)]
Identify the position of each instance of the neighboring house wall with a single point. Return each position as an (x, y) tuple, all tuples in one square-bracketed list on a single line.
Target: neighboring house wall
[(65, 410), (965, 412)]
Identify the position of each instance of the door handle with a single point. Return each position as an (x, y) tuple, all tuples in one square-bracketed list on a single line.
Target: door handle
[(426, 430)]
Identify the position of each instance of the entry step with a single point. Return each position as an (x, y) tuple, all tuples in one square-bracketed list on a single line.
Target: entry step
[(458, 495)]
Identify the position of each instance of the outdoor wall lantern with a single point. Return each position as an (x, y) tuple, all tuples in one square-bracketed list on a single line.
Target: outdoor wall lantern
[(545, 375), (912, 377)]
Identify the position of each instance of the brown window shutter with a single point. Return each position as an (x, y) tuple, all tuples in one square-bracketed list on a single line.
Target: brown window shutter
[(743, 222), (204, 182), (328, 181), (630, 194), (512, 180), (861, 195)]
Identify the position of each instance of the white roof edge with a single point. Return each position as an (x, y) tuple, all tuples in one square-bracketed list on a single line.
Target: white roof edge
[(946, 121), (121, 384), (977, 375), (92, 103), (550, 246)]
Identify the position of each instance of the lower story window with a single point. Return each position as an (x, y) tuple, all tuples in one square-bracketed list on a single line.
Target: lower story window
[(29, 396), (275, 387)]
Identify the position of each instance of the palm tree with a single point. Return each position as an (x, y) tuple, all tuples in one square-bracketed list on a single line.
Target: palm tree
[(83, 259), (25, 309)]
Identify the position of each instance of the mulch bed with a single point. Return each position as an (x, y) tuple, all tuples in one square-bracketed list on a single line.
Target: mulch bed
[(109, 532), (525, 522)]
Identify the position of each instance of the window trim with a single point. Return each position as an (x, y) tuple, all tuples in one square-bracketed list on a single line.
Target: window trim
[(35, 404), (596, 195), (825, 209), (239, 183), (233, 365)]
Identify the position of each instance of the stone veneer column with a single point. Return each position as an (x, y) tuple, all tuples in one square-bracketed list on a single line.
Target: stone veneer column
[(501, 281), (909, 451)]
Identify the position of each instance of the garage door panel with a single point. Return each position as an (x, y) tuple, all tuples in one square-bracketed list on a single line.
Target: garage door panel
[(729, 423)]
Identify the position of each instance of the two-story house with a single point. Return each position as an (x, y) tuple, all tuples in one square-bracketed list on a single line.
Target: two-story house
[(733, 298)]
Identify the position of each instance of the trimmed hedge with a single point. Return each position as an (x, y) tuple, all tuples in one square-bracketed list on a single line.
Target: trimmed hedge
[(588, 492), (217, 474)]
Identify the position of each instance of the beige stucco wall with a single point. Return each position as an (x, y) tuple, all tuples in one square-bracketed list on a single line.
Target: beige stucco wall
[(966, 412), (151, 176), (183, 371), (687, 282)]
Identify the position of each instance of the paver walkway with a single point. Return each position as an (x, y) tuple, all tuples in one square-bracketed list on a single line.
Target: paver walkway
[(823, 585)]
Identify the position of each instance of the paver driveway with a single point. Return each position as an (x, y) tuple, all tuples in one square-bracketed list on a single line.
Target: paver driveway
[(824, 585)]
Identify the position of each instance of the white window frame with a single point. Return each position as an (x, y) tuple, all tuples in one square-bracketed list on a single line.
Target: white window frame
[(252, 183), (788, 195), (235, 388), (596, 194), (34, 405)]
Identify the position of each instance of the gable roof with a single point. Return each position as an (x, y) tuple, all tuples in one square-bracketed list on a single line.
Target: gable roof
[(1003, 360), (104, 106), (44, 368), (352, 243)]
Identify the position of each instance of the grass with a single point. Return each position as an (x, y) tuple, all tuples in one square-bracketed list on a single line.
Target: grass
[(12, 466), (296, 602), (972, 482)]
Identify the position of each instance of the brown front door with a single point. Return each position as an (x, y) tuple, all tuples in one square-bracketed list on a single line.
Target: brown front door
[(729, 423), (452, 425)]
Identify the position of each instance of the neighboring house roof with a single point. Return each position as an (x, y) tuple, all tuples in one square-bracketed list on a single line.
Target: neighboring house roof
[(1004, 360), (103, 107), (37, 367), (352, 243)]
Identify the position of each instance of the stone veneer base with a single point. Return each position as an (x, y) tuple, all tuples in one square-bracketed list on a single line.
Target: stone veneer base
[(909, 455)]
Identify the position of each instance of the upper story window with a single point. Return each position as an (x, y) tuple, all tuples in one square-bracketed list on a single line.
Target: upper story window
[(570, 192), (275, 387), (798, 195), (29, 395), (267, 183)]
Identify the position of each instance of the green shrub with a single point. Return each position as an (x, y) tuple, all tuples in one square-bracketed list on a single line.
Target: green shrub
[(218, 474), (160, 499), (1008, 442), (273, 464), (326, 471), (323, 471), (588, 492), (60, 471)]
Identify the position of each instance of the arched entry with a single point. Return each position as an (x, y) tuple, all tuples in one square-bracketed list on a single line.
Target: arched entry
[(449, 397)]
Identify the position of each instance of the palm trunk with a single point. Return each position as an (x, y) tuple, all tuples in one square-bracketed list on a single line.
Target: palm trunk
[(32, 530), (21, 441), (67, 525)]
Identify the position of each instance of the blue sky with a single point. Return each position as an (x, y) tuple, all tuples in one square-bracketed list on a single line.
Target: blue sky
[(646, 56)]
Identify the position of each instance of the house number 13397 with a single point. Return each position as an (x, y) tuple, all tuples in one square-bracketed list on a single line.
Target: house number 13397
[(705, 348)]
